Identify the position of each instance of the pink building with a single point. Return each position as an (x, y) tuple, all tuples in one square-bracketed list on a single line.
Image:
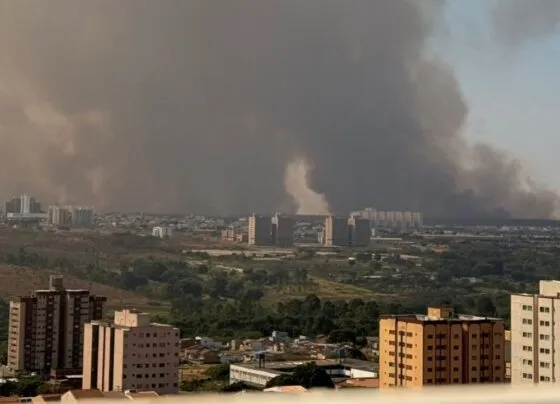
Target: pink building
[(131, 354)]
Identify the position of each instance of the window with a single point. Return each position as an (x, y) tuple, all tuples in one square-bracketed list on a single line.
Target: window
[(527, 348), (545, 365), (544, 350), (544, 337), (527, 307), (545, 379), (528, 376), (544, 323), (528, 362), (527, 335), (544, 309)]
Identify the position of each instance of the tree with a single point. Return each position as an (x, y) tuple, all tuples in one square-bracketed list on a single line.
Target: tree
[(308, 375), (254, 294), (218, 373), (485, 306)]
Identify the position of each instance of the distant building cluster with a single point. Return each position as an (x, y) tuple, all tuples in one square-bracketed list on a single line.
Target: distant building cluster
[(391, 219), (233, 234), (277, 230), (75, 216), (346, 232), (22, 205), (162, 232)]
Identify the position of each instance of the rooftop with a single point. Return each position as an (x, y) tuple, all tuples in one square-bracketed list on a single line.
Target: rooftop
[(440, 315), (287, 366)]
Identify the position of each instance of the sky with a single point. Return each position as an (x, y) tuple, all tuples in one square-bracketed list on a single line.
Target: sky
[(513, 96)]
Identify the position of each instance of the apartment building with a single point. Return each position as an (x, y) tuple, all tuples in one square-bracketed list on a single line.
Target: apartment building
[(440, 348), (259, 230), (535, 325), (46, 328), (360, 231), (81, 216), (58, 216), (336, 231), (282, 230), (131, 354)]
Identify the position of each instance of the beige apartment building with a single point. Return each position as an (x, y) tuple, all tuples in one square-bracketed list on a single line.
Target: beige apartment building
[(58, 216), (440, 348), (259, 230), (46, 328), (360, 231), (131, 354), (535, 325)]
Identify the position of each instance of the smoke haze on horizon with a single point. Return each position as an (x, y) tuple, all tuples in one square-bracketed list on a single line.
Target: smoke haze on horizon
[(207, 106)]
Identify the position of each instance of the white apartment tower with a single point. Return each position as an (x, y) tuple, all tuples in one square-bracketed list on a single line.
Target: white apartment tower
[(535, 325), (131, 354)]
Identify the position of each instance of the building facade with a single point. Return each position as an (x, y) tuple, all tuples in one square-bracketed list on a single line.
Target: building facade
[(282, 230), (131, 354), (46, 328), (58, 216), (336, 232), (162, 232), (259, 230), (81, 216), (535, 325), (439, 349), (360, 231)]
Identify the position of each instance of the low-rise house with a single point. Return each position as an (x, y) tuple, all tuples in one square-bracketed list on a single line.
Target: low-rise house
[(46, 398), (79, 396)]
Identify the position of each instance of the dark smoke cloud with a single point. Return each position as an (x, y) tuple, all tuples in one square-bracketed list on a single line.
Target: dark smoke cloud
[(519, 21), (199, 105)]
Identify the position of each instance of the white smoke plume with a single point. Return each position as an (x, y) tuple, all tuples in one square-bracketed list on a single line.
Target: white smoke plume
[(296, 182)]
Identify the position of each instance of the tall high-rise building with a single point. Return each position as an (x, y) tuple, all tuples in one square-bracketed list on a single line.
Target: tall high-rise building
[(336, 231), (81, 216), (440, 348), (46, 328), (13, 206), (360, 231), (535, 347), (259, 230), (23, 205), (58, 216), (282, 230), (131, 354)]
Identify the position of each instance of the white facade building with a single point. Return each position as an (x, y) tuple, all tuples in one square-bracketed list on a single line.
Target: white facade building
[(162, 232), (535, 325)]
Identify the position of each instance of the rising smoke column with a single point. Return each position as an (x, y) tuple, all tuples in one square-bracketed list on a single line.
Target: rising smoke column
[(296, 181), (202, 105)]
